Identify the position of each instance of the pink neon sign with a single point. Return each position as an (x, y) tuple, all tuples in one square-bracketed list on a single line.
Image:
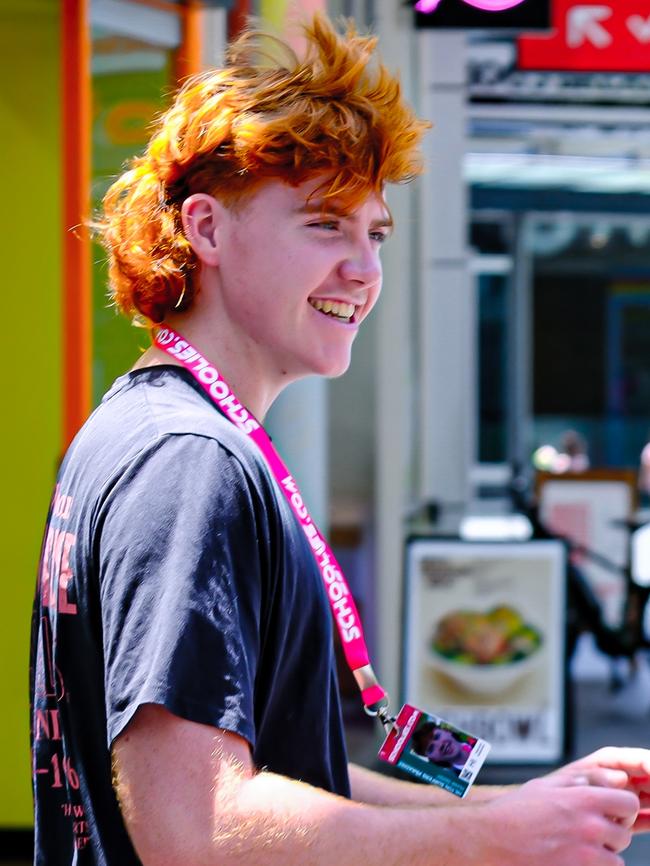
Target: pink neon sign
[(486, 5)]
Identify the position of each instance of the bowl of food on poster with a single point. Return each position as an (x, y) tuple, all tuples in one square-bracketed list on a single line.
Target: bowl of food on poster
[(485, 651)]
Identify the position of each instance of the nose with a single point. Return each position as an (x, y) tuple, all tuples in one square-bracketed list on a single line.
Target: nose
[(362, 265)]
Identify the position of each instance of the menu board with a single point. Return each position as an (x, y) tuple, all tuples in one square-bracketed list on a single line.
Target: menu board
[(483, 642)]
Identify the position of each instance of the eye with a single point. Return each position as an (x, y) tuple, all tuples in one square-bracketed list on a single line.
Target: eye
[(327, 225), (378, 236)]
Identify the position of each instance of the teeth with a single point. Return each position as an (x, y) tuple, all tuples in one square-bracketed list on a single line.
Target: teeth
[(334, 308)]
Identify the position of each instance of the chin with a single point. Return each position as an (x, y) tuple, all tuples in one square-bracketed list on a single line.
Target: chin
[(329, 366), (334, 370)]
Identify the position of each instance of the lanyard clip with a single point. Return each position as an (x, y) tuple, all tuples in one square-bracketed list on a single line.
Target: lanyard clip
[(388, 721)]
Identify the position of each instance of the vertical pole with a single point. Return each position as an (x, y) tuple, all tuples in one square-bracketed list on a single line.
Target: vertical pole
[(76, 137), (520, 350), (394, 386), (188, 58), (214, 27), (237, 17), (447, 336)]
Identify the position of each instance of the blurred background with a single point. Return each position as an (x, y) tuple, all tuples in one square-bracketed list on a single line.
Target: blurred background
[(483, 469)]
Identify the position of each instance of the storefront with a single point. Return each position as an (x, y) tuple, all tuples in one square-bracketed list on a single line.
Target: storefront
[(83, 81)]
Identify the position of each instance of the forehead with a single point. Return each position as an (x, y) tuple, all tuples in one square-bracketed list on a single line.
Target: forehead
[(278, 196)]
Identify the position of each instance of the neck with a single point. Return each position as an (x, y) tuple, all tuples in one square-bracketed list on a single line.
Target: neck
[(254, 391)]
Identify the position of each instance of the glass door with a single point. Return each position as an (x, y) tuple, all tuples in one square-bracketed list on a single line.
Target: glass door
[(589, 333)]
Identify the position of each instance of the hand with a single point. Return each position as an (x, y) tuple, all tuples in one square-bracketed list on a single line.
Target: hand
[(624, 768), (569, 818)]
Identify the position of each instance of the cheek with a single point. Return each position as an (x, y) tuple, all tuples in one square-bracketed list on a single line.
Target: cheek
[(264, 275)]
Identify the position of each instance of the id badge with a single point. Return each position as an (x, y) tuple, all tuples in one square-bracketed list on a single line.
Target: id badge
[(434, 751)]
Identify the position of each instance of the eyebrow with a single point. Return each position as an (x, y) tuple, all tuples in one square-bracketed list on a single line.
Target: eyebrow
[(324, 207)]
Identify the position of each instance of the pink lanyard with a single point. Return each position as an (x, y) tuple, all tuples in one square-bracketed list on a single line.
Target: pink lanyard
[(338, 592)]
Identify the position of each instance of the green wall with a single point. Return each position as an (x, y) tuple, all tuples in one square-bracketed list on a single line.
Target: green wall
[(31, 222), (125, 101), (31, 368)]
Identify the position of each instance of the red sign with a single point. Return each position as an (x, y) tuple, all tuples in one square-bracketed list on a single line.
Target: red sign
[(608, 36)]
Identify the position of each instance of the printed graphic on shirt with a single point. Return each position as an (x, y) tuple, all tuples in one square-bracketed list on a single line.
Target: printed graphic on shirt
[(55, 572), (51, 766)]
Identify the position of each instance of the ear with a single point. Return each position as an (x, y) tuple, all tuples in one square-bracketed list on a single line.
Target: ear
[(202, 217)]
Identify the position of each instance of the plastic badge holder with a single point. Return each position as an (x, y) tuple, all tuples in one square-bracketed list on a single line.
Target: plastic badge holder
[(434, 751)]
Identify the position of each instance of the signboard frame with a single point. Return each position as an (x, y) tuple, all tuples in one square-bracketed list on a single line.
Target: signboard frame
[(530, 15), (444, 576)]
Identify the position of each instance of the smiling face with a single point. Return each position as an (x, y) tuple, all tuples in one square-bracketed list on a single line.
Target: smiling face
[(443, 746), (294, 279)]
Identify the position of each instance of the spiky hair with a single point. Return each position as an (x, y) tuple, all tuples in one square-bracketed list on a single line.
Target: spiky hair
[(268, 113)]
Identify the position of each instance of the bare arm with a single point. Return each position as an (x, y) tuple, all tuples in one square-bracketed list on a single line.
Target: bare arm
[(614, 767), (380, 790), (190, 795)]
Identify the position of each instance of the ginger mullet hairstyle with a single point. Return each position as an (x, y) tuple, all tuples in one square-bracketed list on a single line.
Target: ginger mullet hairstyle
[(267, 114)]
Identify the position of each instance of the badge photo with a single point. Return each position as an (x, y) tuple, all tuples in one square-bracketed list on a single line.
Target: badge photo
[(434, 751)]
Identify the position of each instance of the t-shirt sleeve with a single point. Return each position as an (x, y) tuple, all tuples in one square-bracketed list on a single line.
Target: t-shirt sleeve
[(181, 554)]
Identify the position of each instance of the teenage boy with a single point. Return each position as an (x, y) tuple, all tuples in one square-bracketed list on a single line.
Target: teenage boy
[(185, 709)]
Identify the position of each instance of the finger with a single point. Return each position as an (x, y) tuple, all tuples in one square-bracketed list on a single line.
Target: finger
[(628, 822), (605, 777), (616, 836), (569, 778), (607, 858), (601, 777), (642, 823), (620, 805), (632, 761)]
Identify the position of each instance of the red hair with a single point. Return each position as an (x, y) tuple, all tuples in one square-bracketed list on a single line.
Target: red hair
[(266, 114)]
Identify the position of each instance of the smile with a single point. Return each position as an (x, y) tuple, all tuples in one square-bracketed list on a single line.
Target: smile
[(336, 309)]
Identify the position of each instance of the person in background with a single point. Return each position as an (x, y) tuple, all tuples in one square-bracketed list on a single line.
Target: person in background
[(572, 455)]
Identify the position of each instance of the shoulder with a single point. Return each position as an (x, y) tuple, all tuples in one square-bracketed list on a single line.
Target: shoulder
[(184, 492), (156, 430), (162, 408), (167, 400)]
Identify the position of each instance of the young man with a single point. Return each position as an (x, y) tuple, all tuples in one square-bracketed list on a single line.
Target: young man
[(185, 709)]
